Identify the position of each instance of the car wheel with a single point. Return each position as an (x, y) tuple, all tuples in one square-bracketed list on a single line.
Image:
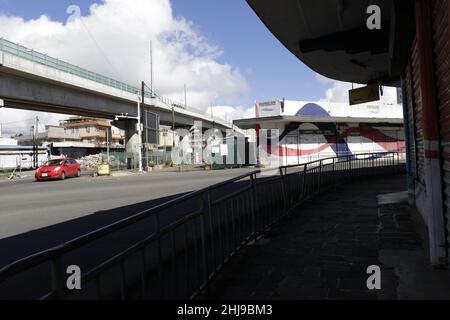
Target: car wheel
[(79, 173), (63, 175)]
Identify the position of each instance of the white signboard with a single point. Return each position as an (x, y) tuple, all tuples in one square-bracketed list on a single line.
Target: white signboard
[(223, 150), (269, 109), (215, 149)]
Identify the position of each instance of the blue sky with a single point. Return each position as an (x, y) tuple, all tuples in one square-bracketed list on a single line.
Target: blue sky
[(270, 70)]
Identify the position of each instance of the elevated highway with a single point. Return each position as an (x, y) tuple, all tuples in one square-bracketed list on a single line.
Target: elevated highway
[(34, 81)]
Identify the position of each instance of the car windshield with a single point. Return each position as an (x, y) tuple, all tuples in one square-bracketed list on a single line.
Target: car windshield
[(54, 162)]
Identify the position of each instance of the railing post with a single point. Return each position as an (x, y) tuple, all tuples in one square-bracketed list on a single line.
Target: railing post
[(253, 205), (208, 212), (203, 239), (372, 156), (348, 167), (393, 163), (58, 285), (334, 173), (352, 166), (305, 168), (320, 176), (143, 266), (284, 191), (160, 258)]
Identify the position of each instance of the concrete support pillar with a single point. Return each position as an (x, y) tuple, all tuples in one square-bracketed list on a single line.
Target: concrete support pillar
[(131, 140)]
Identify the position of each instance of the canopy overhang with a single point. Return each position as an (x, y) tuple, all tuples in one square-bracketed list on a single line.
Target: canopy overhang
[(285, 120), (332, 37)]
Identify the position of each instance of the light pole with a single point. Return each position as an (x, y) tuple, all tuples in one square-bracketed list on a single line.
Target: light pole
[(139, 131), (173, 127), (145, 117), (107, 145)]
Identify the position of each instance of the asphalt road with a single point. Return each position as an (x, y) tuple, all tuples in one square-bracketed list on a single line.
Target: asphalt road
[(35, 216), (26, 205)]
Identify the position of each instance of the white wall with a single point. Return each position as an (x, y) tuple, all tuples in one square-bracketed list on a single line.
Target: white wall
[(11, 161)]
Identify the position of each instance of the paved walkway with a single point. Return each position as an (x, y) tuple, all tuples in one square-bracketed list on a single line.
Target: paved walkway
[(324, 249)]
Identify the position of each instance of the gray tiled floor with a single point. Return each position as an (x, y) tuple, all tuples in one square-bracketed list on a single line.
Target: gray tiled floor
[(324, 249)]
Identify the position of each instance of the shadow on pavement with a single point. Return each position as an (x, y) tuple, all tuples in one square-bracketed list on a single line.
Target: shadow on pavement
[(25, 244)]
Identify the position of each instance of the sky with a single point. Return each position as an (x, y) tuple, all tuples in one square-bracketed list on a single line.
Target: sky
[(219, 49)]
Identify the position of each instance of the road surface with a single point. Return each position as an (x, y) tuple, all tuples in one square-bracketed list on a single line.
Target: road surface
[(35, 216), (26, 205)]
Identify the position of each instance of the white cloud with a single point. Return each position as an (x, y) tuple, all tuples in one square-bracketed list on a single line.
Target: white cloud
[(14, 121), (338, 92), (113, 38), (231, 113)]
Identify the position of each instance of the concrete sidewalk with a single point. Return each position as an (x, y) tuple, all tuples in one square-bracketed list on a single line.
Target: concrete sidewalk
[(324, 249)]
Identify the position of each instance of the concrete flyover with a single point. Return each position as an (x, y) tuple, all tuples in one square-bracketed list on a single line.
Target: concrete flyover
[(33, 81)]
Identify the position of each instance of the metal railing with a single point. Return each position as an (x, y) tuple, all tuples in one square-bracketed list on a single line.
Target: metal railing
[(35, 56), (187, 240)]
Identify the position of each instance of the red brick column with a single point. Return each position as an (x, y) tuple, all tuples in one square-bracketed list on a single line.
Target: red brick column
[(430, 122)]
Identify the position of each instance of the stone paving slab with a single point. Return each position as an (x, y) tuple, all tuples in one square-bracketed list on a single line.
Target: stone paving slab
[(323, 250)]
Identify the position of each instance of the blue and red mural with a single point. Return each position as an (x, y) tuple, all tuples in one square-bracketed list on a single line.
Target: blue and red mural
[(337, 141)]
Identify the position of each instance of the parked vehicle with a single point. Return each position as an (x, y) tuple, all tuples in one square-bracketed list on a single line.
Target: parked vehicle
[(60, 168)]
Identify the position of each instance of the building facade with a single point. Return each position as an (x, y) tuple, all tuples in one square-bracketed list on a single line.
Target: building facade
[(308, 131), (93, 131), (426, 86), (14, 156)]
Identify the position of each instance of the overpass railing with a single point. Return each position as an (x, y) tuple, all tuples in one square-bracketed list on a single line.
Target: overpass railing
[(37, 57), (187, 240)]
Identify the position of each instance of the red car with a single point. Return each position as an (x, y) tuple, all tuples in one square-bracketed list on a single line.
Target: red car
[(58, 169)]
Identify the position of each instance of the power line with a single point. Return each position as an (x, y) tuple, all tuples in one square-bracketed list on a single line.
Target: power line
[(19, 121), (16, 128), (97, 44)]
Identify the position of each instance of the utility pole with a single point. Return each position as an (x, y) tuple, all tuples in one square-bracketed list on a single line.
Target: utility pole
[(173, 127), (145, 122), (35, 147), (33, 154), (139, 131), (107, 144)]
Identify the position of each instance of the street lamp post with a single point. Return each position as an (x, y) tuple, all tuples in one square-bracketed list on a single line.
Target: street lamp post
[(173, 127), (139, 131), (108, 138)]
